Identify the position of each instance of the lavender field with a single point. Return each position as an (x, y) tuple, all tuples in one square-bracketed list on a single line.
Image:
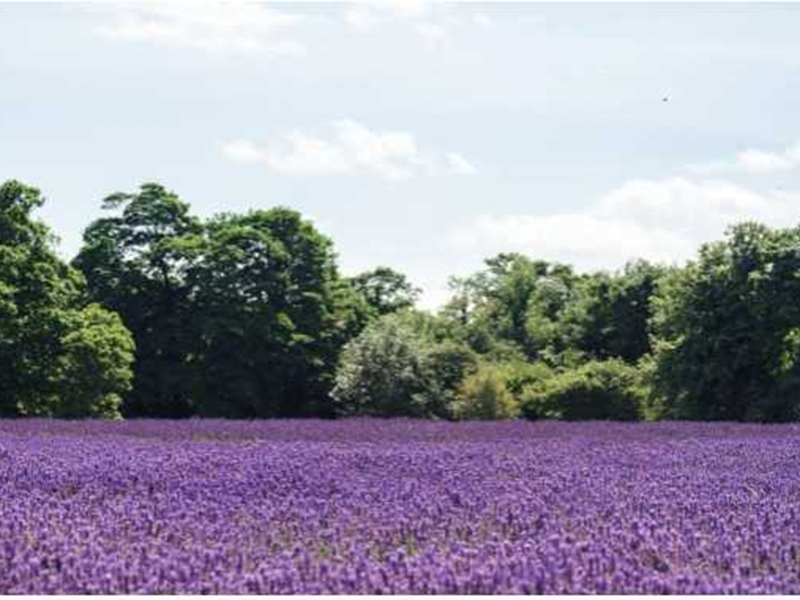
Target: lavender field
[(404, 506)]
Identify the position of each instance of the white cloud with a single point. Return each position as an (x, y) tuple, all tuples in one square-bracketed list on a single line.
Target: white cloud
[(423, 18), (483, 20), (224, 28), (307, 155), (351, 149), (459, 164), (432, 21), (585, 240), (365, 15), (361, 18), (243, 151), (661, 220), (757, 161), (431, 32), (406, 9), (754, 162)]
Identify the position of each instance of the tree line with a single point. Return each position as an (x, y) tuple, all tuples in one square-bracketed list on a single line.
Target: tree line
[(165, 315)]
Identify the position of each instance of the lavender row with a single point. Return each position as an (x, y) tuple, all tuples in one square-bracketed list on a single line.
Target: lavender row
[(398, 506)]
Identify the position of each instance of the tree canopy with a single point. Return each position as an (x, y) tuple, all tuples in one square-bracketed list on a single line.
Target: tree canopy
[(246, 315), (236, 316), (60, 355), (727, 329), (385, 290)]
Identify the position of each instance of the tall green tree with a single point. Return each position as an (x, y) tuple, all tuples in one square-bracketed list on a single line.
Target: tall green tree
[(513, 303), (386, 290), (727, 329), (609, 315), (239, 316), (135, 264), (272, 315), (59, 355)]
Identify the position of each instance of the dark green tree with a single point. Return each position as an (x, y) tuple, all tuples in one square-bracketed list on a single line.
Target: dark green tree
[(241, 316), (59, 355), (135, 265), (727, 329), (513, 303), (271, 316), (609, 315), (386, 290)]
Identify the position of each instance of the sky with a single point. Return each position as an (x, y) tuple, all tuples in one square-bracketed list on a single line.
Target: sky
[(421, 136)]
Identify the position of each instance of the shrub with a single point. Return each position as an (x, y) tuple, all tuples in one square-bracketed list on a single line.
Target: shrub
[(609, 390), (484, 395), (397, 367), (382, 372), (446, 365), (520, 374), (94, 369)]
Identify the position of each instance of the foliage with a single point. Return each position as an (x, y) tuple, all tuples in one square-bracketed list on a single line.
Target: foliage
[(383, 372), (246, 316), (240, 316), (399, 366), (519, 374), (58, 355), (447, 364), (484, 395), (271, 315), (513, 303), (385, 290), (94, 367), (610, 314), (134, 264), (597, 390), (726, 329)]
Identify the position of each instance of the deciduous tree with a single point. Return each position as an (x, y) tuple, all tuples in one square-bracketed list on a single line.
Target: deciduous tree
[(59, 356)]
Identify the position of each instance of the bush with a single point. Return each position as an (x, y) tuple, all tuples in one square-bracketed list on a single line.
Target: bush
[(520, 374), (382, 372), (610, 390), (447, 364), (484, 395), (95, 368), (397, 367)]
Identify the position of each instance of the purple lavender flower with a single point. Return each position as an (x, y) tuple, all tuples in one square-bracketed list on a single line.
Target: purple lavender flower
[(373, 506)]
